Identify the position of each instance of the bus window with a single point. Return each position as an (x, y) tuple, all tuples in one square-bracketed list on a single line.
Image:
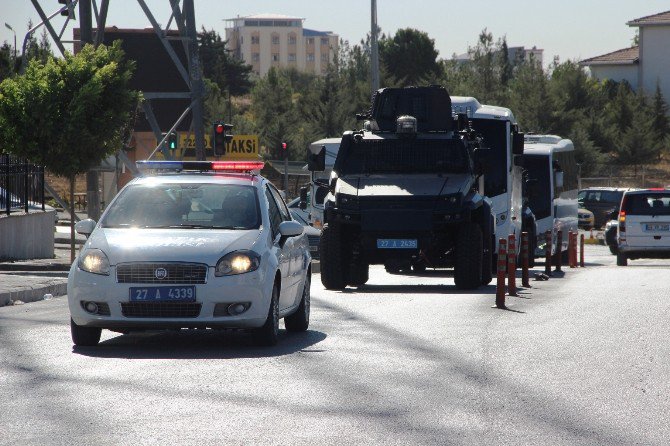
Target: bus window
[(495, 137)]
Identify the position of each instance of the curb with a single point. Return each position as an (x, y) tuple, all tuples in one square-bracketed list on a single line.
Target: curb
[(29, 294)]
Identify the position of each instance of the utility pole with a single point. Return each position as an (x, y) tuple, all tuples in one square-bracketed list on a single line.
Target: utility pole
[(92, 181), (195, 77), (374, 48)]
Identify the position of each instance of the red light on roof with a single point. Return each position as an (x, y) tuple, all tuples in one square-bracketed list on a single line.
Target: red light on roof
[(656, 188), (220, 128), (239, 166)]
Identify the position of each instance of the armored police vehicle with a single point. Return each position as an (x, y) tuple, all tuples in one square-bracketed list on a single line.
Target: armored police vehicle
[(403, 191)]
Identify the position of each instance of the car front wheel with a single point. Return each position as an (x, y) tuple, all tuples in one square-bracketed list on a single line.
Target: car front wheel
[(267, 334), (84, 336), (299, 321)]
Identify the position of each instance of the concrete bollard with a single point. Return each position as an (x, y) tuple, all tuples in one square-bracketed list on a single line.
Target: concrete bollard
[(559, 249), (502, 265), (547, 261), (524, 260), (511, 265), (581, 251)]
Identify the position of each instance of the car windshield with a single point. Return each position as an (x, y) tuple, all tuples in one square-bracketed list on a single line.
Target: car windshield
[(184, 206), (647, 204), (380, 156)]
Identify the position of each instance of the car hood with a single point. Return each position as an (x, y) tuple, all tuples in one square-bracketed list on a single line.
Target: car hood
[(404, 185), (169, 245)]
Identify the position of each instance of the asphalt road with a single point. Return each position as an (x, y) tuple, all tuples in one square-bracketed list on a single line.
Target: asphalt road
[(581, 359)]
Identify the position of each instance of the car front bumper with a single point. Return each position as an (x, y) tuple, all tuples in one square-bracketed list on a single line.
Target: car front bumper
[(249, 288)]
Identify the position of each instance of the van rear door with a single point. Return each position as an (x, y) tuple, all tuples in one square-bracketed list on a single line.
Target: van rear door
[(647, 219)]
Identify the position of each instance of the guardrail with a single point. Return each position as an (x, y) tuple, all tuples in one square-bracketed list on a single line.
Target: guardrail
[(21, 185)]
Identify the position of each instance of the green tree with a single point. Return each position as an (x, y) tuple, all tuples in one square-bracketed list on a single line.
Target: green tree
[(273, 110), (37, 49), (483, 71), (69, 114), (7, 62), (529, 98), (409, 57), (225, 70), (587, 153), (660, 121)]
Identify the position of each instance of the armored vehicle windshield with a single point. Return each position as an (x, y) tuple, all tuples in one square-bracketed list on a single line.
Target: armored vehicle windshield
[(414, 156)]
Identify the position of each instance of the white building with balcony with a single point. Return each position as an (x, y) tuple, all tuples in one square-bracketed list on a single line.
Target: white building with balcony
[(272, 40)]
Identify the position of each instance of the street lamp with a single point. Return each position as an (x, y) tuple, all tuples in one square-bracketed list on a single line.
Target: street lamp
[(12, 30)]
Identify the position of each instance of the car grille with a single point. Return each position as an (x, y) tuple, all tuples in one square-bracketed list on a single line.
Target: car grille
[(181, 273), (161, 309)]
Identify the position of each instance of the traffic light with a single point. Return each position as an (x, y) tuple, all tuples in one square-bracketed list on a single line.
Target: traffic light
[(221, 137), (69, 12), (284, 151), (172, 141)]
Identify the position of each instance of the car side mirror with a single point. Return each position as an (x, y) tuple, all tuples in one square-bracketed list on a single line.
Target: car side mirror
[(316, 162), (85, 227), (303, 198), (517, 143), (289, 229)]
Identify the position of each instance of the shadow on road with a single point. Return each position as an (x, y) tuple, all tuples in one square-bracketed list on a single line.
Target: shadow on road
[(418, 289), (199, 344)]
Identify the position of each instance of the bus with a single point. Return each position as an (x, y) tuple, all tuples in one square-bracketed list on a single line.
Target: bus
[(552, 188), (503, 179)]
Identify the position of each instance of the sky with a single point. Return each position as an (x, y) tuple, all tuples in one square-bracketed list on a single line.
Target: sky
[(570, 29)]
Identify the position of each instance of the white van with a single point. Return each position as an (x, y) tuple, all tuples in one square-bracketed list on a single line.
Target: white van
[(644, 225)]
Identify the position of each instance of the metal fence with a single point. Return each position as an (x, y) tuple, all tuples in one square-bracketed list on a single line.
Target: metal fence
[(21, 185), (638, 176)]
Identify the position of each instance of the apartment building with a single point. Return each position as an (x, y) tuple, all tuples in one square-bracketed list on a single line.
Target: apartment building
[(273, 40)]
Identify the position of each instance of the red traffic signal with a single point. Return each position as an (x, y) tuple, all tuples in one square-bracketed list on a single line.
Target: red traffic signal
[(220, 128), (283, 146)]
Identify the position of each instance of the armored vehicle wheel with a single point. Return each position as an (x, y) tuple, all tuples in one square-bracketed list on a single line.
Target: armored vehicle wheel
[(468, 261), (487, 261), (333, 268), (359, 275)]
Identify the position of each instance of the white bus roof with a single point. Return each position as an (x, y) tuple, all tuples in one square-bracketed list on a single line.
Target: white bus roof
[(472, 107), (545, 144)]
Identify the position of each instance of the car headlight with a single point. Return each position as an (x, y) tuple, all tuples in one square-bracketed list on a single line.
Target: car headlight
[(237, 262), (94, 261)]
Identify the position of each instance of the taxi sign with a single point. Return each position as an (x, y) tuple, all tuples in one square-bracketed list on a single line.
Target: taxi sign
[(241, 147)]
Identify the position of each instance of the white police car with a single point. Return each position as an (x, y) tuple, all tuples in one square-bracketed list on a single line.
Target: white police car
[(192, 244)]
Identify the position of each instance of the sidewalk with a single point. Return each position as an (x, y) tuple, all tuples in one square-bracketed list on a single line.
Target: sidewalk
[(25, 281)]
